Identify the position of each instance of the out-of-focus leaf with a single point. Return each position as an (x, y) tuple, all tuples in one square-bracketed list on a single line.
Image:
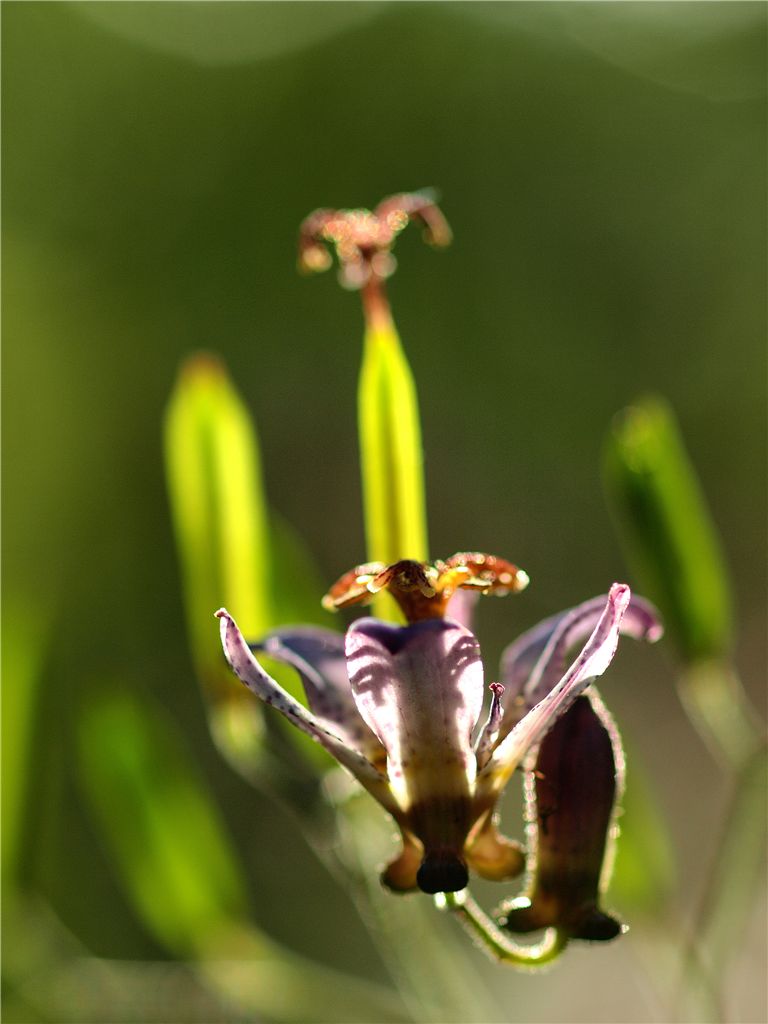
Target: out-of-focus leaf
[(390, 452), (240, 976), (183, 877), (644, 864), (298, 583), (665, 45), (735, 880), (228, 33), (269, 981), (25, 643), (221, 522), (296, 600), (664, 522), (714, 698), (214, 483), (659, 42), (49, 975), (162, 828), (214, 479), (674, 551)]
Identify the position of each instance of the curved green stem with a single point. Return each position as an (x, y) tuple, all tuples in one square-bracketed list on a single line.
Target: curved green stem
[(494, 941)]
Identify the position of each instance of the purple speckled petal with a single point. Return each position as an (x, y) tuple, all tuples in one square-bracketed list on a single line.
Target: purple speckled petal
[(532, 665), (250, 672), (318, 656), (420, 688), (519, 657), (594, 659)]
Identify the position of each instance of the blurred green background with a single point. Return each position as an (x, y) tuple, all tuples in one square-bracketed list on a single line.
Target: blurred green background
[(603, 169)]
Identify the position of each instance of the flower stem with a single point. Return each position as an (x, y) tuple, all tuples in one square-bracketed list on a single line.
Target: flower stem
[(430, 970), (494, 941), (376, 309)]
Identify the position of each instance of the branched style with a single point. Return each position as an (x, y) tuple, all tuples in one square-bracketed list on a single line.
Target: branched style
[(363, 239)]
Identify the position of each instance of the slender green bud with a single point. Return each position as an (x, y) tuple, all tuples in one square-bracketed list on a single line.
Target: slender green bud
[(665, 525), (171, 851), (390, 450), (220, 521)]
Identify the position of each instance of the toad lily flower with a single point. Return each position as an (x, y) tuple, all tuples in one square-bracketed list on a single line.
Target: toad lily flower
[(399, 706)]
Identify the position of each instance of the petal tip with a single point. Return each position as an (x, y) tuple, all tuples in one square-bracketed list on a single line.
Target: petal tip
[(654, 629), (619, 597), (655, 632)]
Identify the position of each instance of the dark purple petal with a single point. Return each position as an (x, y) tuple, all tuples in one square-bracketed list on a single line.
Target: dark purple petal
[(318, 656), (250, 672), (532, 665), (594, 659), (570, 801)]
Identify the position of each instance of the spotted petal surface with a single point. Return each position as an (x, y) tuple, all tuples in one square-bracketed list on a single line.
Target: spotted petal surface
[(592, 661), (319, 658), (249, 671), (420, 688), (533, 664)]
